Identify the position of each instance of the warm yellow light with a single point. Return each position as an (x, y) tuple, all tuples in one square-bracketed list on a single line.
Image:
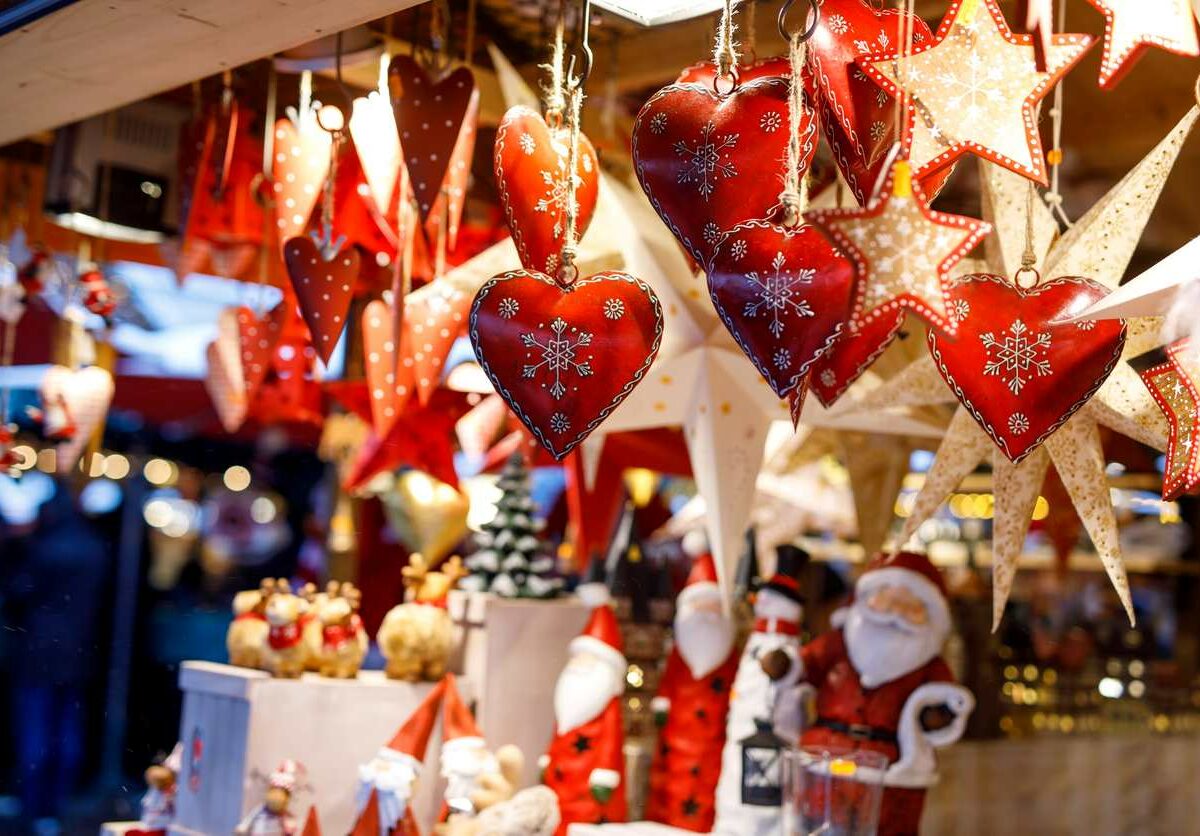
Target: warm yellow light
[(641, 484), (1041, 508), (26, 456), (331, 118), (116, 466), (160, 472), (262, 510), (47, 460), (96, 468), (237, 478)]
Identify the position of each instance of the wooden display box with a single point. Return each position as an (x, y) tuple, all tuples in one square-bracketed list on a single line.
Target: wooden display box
[(238, 724), (511, 650)]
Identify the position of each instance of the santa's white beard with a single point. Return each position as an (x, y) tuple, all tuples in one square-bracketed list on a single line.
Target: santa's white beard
[(461, 767), (704, 639), (584, 688), (883, 647)]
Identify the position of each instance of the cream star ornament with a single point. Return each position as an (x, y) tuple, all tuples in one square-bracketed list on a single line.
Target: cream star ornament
[(903, 251), (975, 89), (1099, 246), (1133, 26)]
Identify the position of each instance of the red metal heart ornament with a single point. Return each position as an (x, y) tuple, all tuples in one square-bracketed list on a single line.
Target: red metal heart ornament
[(429, 115), (1016, 367), (783, 294), (531, 171), (709, 161), (851, 355), (324, 288), (564, 358)]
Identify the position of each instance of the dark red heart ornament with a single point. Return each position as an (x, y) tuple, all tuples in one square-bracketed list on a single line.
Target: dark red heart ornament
[(709, 161), (706, 71), (853, 353), (531, 172), (857, 115), (1015, 366), (429, 115), (783, 294), (257, 337), (564, 358), (324, 288)]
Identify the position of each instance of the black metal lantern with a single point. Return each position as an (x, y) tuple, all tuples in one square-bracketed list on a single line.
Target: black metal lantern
[(762, 766)]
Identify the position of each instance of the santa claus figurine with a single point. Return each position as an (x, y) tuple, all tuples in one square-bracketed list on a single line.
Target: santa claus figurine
[(691, 704), (585, 764), (272, 817), (391, 776), (465, 756), (881, 684), (763, 700)]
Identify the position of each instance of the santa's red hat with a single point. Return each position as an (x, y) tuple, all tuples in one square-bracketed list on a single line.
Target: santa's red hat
[(413, 737), (701, 583), (458, 724), (916, 573), (601, 637)]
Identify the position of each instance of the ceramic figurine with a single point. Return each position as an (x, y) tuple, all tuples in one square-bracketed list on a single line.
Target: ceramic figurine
[(416, 637)]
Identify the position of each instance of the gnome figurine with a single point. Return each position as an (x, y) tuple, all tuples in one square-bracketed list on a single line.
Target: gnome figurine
[(585, 764), (763, 699), (692, 701)]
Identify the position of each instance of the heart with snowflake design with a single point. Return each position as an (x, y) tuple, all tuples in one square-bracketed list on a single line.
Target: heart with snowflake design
[(429, 115), (1015, 365), (858, 116), (324, 288), (531, 172), (709, 161), (564, 358), (851, 355), (783, 294)]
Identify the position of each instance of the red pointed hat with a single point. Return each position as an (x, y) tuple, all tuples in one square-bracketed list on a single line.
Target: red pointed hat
[(601, 637), (701, 582), (312, 824), (413, 737), (457, 721)]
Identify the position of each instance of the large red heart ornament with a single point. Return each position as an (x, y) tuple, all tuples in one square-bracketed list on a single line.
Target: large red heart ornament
[(564, 358), (706, 71), (531, 171), (783, 294), (1016, 367), (429, 115), (851, 355), (324, 288), (709, 161)]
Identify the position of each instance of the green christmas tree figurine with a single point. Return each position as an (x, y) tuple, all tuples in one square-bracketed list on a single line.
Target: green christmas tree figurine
[(510, 559)]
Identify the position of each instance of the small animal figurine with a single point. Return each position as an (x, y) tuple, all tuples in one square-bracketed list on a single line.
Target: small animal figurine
[(97, 295), (416, 637), (272, 817), (342, 639), (287, 652), (158, 804), (247, 635)]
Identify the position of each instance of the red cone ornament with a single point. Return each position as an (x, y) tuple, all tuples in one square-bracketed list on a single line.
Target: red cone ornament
[(531, 165), (564, 358), (1014, 365), (783, 294)]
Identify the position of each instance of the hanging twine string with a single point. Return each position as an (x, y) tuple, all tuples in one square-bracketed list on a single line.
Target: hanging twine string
[(725, 54), (1029, 256), (568, 271), (794, 196), (1053, 197), (906, 38), (327, 194), (553, 91)]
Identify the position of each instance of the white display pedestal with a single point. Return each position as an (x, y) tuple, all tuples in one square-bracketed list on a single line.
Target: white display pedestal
[(119, 828), (238, 724), (512, 650), (637, 828)]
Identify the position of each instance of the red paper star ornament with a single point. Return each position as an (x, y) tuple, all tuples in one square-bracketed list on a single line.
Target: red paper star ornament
[(1175, 386), (903, 251), (1133, 26), (975, 89)]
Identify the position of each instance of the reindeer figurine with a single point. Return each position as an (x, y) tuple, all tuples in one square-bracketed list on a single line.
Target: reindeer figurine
[(247, 634), (289, 617), (341, 643), (416, 637)]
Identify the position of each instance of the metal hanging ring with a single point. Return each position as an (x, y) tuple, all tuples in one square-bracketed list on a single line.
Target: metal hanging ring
[(781, 20), (731, 77), (1029, 273)]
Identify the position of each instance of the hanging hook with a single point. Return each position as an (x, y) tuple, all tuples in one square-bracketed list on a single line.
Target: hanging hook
[(781, 20), (585, 26)]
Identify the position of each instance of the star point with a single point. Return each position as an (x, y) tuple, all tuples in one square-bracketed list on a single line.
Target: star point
[(1132, 26)]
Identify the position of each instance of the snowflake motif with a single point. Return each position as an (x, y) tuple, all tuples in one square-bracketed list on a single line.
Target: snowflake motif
[(614, 309), (862, 47), (778, 294), (881, 97), (918, 37), (658, 123), (528, 144), (975, 87), (828, 378), (838, 25), (558, 355), (782, 358), (878, 130), (707, 161), (711, 233), (884, 41), (770, 121), (1018, 423), (508, 307), (559, 423), (739, 249), (552, 263), (1018, 356), (554, 199), (858, 75), (1085, 324), (959, 311)]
